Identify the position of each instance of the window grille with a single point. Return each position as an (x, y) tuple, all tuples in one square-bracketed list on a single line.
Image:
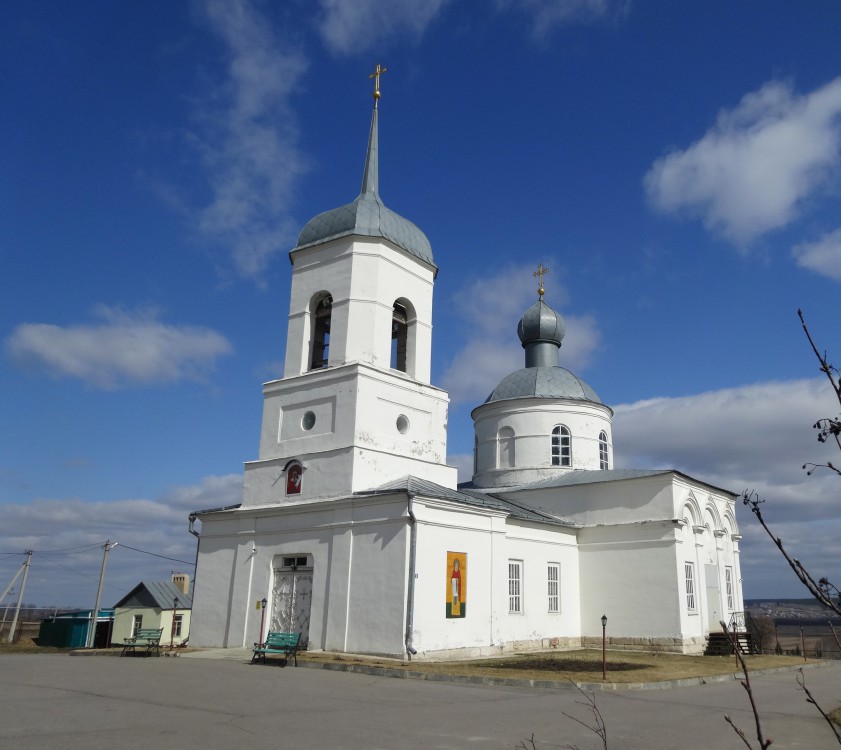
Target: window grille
[(553, 579), (561, 446), (515, 585), (690, 586)]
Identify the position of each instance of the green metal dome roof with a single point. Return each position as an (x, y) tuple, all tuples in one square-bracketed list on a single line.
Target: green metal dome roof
[(368, 216)]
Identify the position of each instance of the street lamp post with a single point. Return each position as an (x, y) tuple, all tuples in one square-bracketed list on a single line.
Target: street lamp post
[(604, 657), (263, 604)]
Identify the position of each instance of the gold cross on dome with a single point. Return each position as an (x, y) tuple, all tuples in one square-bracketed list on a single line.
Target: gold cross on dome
[(539, 273), (376, 76)]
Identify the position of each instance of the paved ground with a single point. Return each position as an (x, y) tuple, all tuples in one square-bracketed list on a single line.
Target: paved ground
[(71, 702)]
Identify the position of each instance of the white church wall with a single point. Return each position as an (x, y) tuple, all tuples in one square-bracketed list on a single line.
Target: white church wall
[(532, 421), (534, 626), (364, 278), (443, 527), (609, 502), (490, 540), (357, 550), (221, 594), (351, 428), (377, 596), (331, 397), (628, 573)]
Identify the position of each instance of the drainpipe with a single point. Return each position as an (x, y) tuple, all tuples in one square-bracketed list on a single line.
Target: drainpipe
[(192, 530), (410, 604)]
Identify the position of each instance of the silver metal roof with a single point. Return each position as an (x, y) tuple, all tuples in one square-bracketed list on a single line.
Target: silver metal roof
[(159, 594), (543, 382), (541, 323), (367, 216), (425, 488), (592, 476)]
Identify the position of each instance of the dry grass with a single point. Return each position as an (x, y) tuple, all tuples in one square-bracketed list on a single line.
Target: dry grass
[(561, 666), (580, 666), (28, 646)]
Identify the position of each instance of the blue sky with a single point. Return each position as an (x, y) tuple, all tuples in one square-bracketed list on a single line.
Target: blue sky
[(676, 165)]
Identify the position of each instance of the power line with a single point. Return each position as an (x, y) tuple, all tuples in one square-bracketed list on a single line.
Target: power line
[(163, 557)]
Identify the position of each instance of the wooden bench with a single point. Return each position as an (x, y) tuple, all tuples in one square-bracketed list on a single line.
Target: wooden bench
[(145, 638), (278, 643)]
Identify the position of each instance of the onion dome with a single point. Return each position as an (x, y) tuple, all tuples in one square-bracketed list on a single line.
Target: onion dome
[(541, 324), (541, 331), (368, 216)]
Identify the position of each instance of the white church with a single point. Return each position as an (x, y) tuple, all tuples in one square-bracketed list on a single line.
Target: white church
[(354, 532)]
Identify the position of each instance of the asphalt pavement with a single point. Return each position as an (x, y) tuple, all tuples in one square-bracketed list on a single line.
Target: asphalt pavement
[(70, 702)]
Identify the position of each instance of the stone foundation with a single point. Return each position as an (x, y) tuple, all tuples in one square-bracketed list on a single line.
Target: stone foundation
[(651, 645)]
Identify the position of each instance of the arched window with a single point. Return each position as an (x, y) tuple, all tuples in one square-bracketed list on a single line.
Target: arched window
[(294, 478), (561, 446), (604, 463), (321, 308), (399, 337), (505, 439)]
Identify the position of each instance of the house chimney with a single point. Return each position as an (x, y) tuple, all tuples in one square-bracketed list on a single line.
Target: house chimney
[(181, 581)]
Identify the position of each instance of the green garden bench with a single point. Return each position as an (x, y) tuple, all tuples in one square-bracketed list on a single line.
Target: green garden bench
[(145, 638), (278, 643)]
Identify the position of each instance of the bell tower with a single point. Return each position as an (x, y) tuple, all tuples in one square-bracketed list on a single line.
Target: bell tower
[(355, 408)]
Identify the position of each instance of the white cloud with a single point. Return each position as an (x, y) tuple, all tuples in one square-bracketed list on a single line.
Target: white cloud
[(753, 170), (248, 139), (822, 256), (548, 14), (354, 26), (753, 437), (66, 536), (125, 349), (490, 309)]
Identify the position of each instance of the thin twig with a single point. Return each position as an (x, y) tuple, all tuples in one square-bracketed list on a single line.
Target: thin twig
[(763, 743), (598, 726), (820, 590), (801, 681)]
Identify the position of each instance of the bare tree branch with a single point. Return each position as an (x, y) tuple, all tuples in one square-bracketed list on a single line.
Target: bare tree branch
[(598, 726), (801, 681), (822, 589), (763, 743)]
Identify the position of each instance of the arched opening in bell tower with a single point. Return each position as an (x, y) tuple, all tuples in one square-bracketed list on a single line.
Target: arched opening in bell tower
[(403, 330), (321, 308)]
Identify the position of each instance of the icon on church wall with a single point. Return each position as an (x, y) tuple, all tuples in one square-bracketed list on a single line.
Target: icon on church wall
[(294, 475), (456, 584)]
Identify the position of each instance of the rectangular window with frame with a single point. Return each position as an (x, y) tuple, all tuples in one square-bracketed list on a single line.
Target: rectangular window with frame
[(515, 586), (136, 624), (553, 581), (179, 619), (728, 583), (689, 570)]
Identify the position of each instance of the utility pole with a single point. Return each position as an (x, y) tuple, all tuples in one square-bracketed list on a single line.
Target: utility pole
[(106, 548), (20, 596)]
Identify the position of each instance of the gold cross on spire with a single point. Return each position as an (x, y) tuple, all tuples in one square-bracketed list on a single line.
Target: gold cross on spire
[(539, 273), (376, 76)]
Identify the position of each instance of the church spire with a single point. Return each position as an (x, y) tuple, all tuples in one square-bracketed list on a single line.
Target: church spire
[(371, 176)]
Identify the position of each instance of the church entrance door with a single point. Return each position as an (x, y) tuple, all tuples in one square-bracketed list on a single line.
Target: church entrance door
[(291, 602), (713, 599)]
